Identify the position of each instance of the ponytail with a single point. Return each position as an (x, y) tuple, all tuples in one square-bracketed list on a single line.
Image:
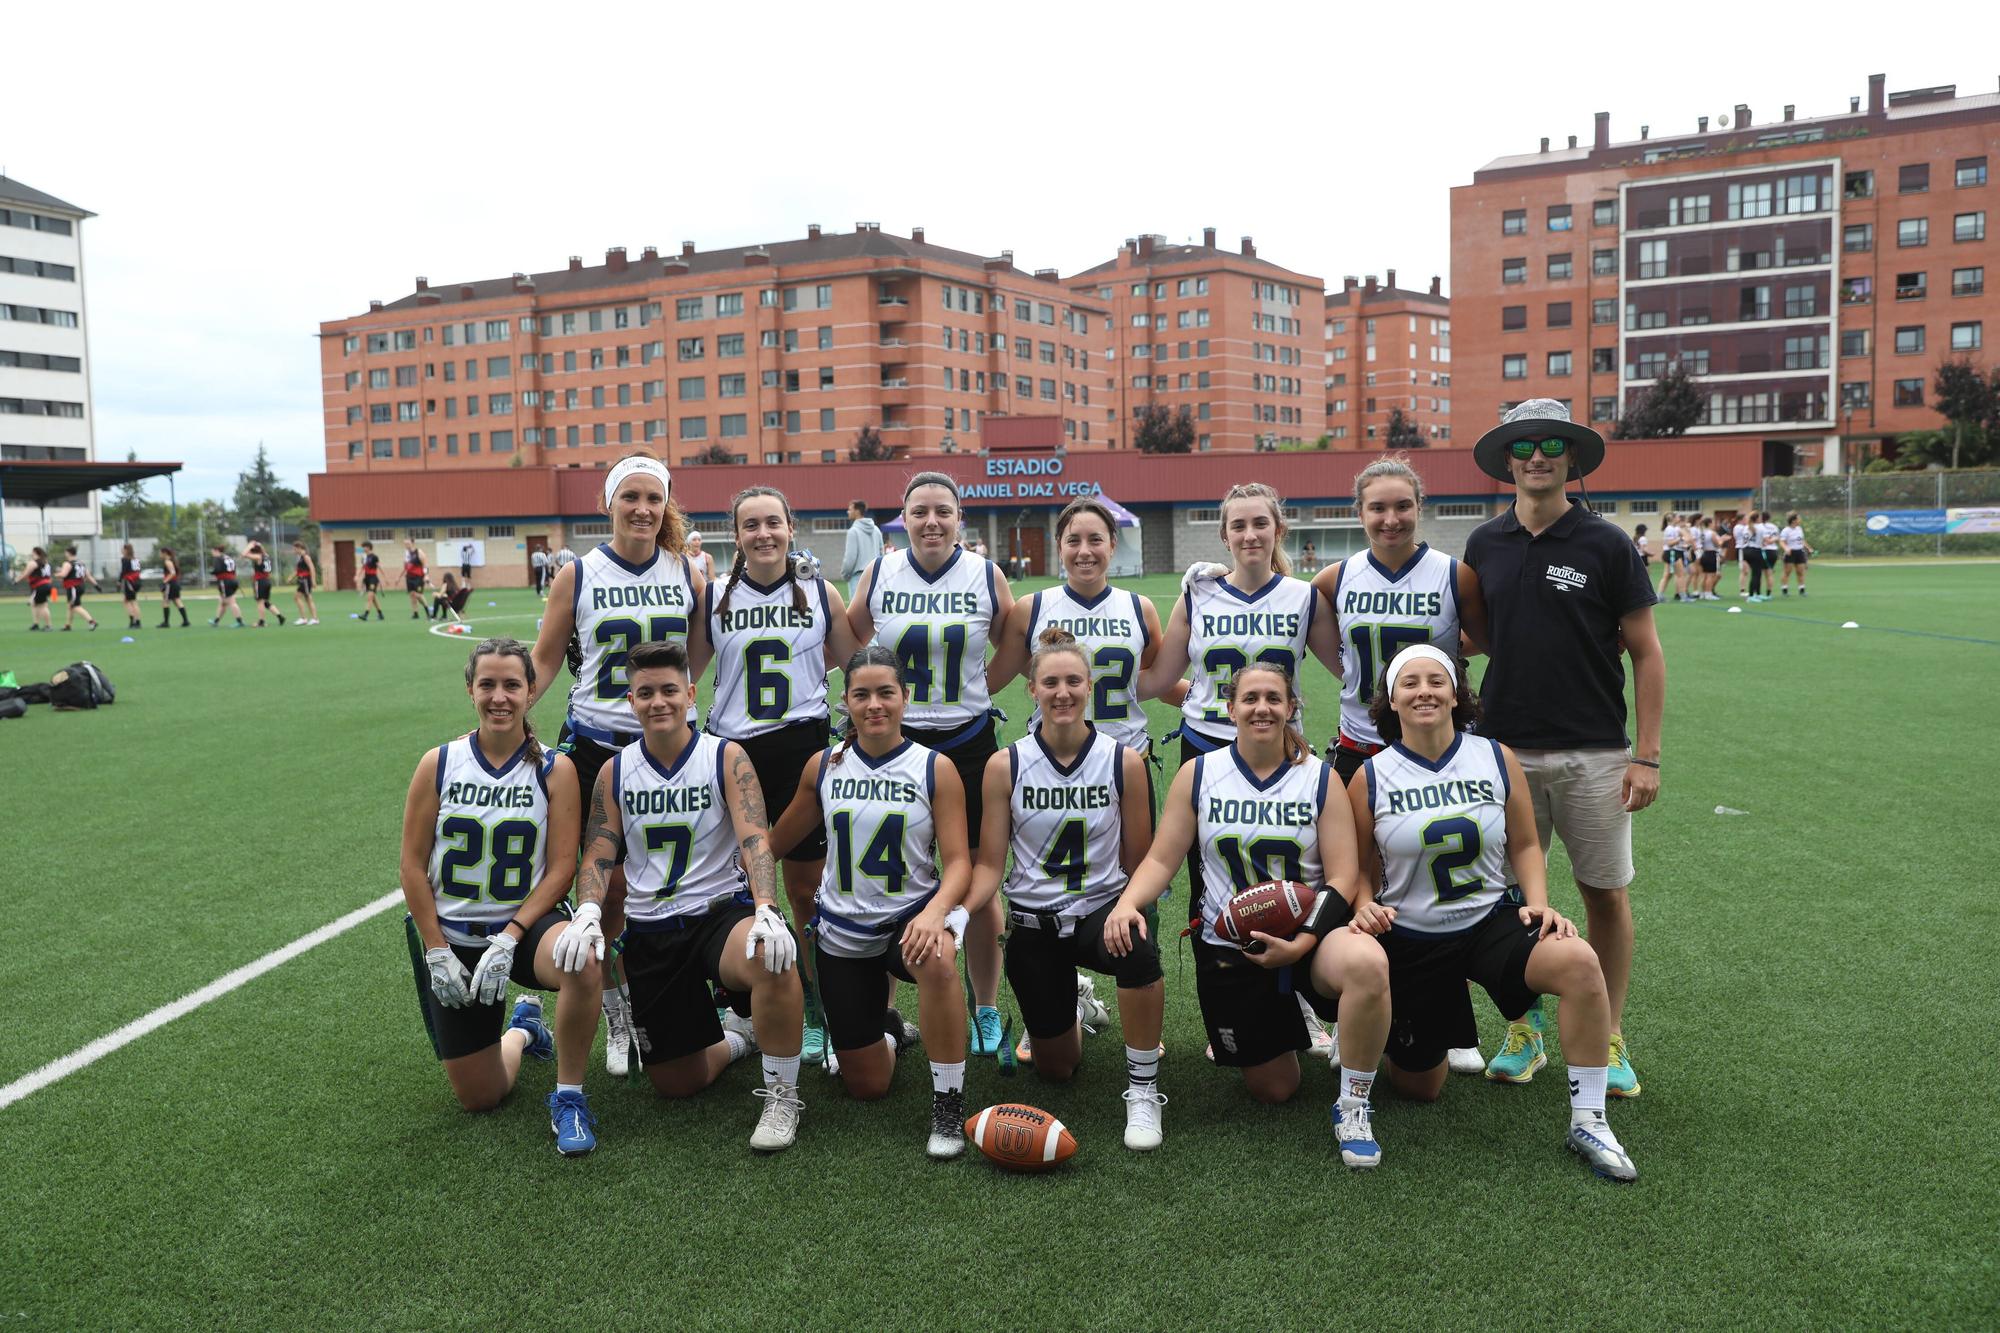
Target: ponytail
[(735, 573), (1257, 490), (1055, 639)]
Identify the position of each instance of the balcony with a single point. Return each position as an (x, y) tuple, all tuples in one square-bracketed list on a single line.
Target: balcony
[(895, 382), (893, 427), (885, 299)]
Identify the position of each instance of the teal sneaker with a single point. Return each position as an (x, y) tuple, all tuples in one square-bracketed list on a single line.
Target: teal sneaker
[(527, 1016), (813, 1051), (1619, 1080), (986, 1034), (1522, 1052)]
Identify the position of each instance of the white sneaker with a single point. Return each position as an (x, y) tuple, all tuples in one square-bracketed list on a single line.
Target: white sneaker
[(1590, 1138), (1323, 1044), (1354, 1134), (734, 1022), (1090, 1011), (1466, 1060), (778, 1122), (947, 1136), (617, 1036), (1142, 1118)]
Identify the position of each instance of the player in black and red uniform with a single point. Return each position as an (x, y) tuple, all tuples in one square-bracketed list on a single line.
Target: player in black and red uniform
[(414, 577), (74, 574), (170, 588), (260, 581), (40, 579), (128, 585), (371, 581), (303, 579), (223, 566)]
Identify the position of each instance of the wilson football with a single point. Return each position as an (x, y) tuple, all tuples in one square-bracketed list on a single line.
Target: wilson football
[(1020, 1138), (1278, 908)]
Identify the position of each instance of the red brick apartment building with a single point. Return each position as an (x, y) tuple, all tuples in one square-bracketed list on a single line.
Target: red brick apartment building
[(1233, 338), (1387, 350), (1812, 271), (778, 353)]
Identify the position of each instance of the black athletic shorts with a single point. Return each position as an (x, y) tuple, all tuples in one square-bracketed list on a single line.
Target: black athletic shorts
[(1042, 964), (780, 759), (413, 583), (74, 594), (1710, 562), (1346, 762), (129, 590), (225, 588), (305, 584), (170, 591), (1795, 557), (263, 587), (851, 993), (467, 1031), (370, 582), (465, 573), (1251, 1012), (1427, 976), (969, 757), (40, 596), (669, 974), (589, 757)]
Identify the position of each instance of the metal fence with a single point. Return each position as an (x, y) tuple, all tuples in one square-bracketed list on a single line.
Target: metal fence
[(1876, 513)]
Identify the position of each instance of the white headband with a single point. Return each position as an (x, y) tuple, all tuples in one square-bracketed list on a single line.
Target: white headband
[(625, 467), (1420, 650)]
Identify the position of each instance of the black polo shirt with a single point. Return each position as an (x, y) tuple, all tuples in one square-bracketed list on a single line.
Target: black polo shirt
[(1555, 676)]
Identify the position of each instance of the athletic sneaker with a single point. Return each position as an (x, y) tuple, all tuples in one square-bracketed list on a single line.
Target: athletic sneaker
[(1142, 1118), (778, 1122), (1323, 1043), (1466, 1060), (947, 1138), (735, 1022), (528, 1017), (1090, 1011), (1619, 1080), (1590, 1138), (901, 1030), (570, 1118), (617, 1036), (1024, 1051), (1354, 1134), (985, 1031), (813, 1050), (1802, 592), (1522, 1053)]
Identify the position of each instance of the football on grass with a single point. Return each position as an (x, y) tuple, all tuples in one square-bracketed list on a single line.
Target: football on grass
[(1278, 908), (1021, 1138)]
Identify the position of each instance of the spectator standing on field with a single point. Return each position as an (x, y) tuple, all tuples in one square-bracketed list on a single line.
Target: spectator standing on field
[(1745, 539), (864, 543), (1567, 598), (538, 562)]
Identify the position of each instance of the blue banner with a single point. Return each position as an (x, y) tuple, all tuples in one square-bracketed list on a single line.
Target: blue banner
[(1891, 522)]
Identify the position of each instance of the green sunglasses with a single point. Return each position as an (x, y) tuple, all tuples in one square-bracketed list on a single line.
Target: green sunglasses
[(1525, 449)]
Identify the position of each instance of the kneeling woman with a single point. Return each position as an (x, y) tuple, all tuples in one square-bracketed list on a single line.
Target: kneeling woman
[(489, 849), (1073, 806), (1267, 808), (1447, 831), (683, 814), (897, 868)]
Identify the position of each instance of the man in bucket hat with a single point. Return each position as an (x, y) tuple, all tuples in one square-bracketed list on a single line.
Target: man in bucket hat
[(1567, 598)]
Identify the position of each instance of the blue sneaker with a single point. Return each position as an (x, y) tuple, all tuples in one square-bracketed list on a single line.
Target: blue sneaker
[(528, 1017), (1355, 1135), (570, 1118), (987, 1037), (1522, 1052)]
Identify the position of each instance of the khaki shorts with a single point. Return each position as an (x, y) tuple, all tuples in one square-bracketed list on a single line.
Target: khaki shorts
[(1578, 797)]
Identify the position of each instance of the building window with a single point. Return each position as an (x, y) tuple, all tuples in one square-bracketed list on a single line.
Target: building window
[(694, 428), (1513, 270), (1603, 409), (1560, 266), (1969, 226), (1559, 217), (1649, 366), (1604, 312), (1750, 201), (688, 307), (1514, 222), (1909, 393), (1913, 179), (1967, 337), (1910, 340), (1970, 171), (729, 344), (1854, 395), (690, 349), (1912, 286), (1806, 353), (1857, 291), (1911, 232), (1968, 281), (1513, 317), (1603, 360), (826, 418), (1859, 185), (735, 425), (1559, 363), (1858, 238), (1854, 342), (1801, 302), (1604, 213), (1652, 259), (1688, 209), (1604, 263), (1753, 303), (1558, 313), (1514, 367)]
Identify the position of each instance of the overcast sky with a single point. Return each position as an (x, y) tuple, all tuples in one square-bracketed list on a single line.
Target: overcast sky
[(256, 170)]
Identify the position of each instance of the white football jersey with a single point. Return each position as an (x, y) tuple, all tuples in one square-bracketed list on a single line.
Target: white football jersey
[(491, 844), (680, 843), (1792, 538), (770, 657), (619, 606), (937, 625), (1111, 630), (1382, 611), (1767, 536), (1670, 537), (1068, 830), (881, 865), (1251, 831), (1227, 630), (1442, 832)]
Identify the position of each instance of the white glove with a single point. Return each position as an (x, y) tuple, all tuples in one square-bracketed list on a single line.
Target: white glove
[(1200, 570), (489, 979), (768, 929), (955, 921), (805, 566), (450, 982), (582, 939)]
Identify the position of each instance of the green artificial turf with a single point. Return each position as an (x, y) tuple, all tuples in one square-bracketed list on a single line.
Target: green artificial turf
[(1809, 1015)]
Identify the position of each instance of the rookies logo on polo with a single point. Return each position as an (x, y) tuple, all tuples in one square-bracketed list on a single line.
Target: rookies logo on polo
[(1566, 578)]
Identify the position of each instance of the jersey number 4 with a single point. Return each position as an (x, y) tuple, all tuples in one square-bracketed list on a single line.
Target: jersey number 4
[(628, 635), (507, 850)]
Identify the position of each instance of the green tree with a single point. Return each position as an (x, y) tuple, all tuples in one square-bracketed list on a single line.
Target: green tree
[(1161, 430), (869, 447), (126, 509), (1966, 398), (1403, 432), (1667, 409), (261, 496)]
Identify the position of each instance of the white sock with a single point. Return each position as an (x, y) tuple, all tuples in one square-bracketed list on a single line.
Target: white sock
[(1142, 1068), (781, 1069), (1586, 1088), (947, 1078), (890, 1042), (569, 1087), (1356, 1083), (739, 1045)]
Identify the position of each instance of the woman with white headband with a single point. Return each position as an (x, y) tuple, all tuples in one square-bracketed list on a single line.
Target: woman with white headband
[(1454, 886), (636, 588)]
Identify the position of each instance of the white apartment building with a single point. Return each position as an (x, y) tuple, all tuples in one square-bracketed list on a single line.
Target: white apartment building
[(45, 404)]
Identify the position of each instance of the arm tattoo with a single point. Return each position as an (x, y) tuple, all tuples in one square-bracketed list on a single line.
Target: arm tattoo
[(755, 851), (593, 882)]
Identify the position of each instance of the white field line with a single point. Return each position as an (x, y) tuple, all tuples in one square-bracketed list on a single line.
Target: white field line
[(441, 632), (88, 1055)]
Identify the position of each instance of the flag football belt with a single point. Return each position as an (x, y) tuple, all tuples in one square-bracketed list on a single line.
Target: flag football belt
[(1063, 926), (683, 920), (893, 924), (610, 740), (483, 929), (1362, 748)]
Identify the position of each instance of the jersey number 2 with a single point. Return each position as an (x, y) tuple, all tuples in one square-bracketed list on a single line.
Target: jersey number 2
[(510, 872), (1454, 844)]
